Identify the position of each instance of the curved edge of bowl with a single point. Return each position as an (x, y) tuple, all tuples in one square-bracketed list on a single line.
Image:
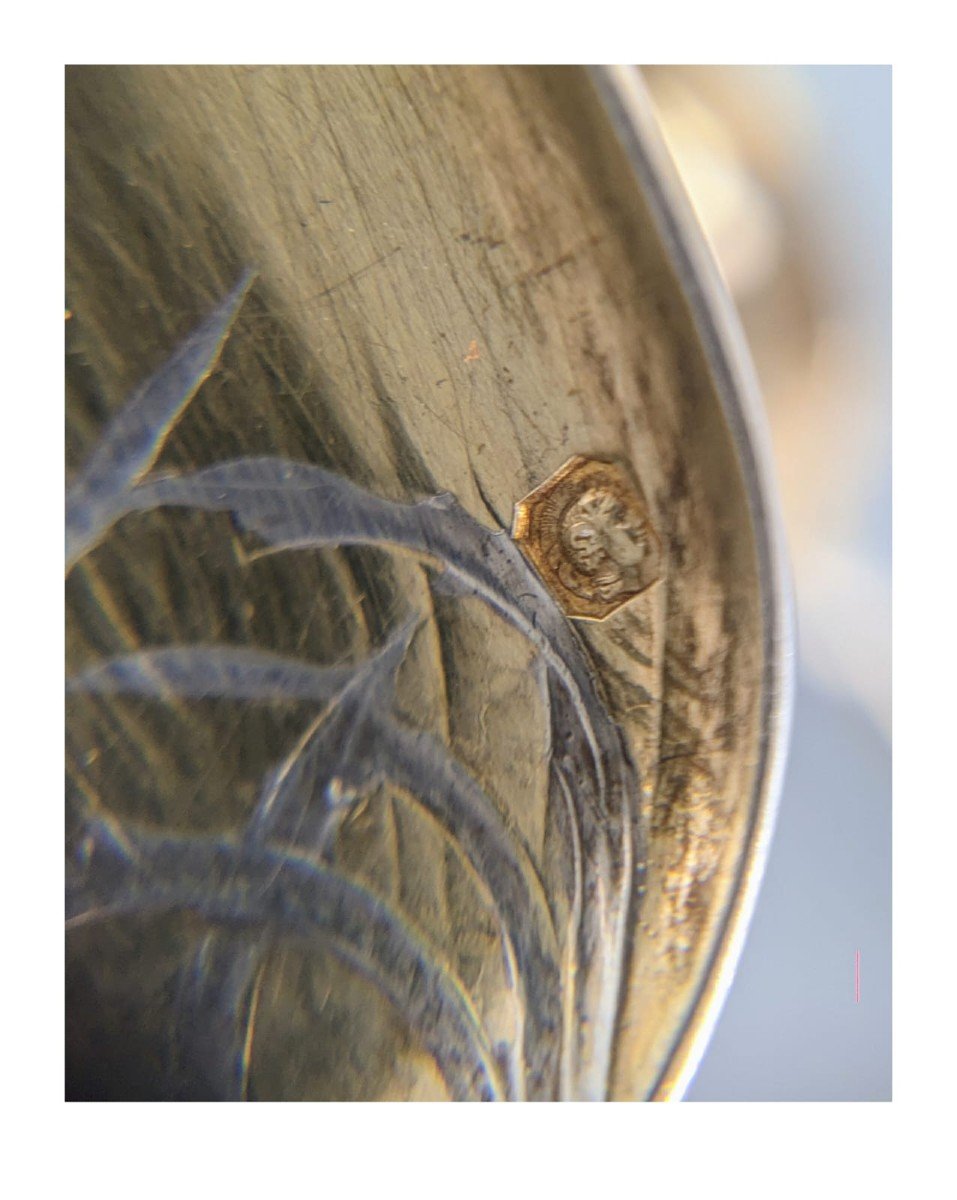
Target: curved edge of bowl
[(631, 112)]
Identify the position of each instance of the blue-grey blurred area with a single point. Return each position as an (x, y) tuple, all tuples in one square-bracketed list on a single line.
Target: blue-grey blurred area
[(789, 170), (791, 1028)]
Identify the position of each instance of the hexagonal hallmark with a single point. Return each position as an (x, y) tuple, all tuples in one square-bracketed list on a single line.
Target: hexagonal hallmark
[(588, 534)]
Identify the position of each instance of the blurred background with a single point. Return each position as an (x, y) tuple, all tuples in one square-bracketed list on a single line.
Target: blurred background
[(789, 170)]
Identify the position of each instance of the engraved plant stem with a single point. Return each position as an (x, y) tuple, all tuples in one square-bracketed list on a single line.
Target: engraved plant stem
[(298, 506), (237, 884), (295, 505), (131, 441), (335, 746)]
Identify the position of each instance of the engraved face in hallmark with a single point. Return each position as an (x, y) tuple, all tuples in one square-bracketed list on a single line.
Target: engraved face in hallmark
[(604, 541), (587, 532)]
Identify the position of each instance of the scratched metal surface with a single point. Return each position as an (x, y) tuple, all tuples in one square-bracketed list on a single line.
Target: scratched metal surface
[(355, 811)]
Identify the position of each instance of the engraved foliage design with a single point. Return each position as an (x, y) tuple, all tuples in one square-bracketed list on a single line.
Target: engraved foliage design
[(533, 1014)]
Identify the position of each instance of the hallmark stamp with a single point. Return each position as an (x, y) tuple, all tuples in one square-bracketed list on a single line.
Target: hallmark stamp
[(587, 533)]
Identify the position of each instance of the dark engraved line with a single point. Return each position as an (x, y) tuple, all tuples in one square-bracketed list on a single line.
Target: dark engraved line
[(556, 776), (236, 672), (238, 885), (131, 441), (209, 670), (291, 505), (570, 956), (334, 287), (215, 1017), (517, 1067), (451, 795), (295, 505), (603, 893), (347, 749)]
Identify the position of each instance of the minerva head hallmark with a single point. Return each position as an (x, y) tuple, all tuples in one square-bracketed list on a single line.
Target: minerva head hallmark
[(588, 534)]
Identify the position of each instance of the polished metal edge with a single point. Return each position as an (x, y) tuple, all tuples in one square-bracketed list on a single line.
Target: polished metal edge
[(631, 111)]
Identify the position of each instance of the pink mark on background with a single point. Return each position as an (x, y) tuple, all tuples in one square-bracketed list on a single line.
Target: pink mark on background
[(857, 976)]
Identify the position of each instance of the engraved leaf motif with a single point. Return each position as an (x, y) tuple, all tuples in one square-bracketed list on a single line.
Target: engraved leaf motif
[(352, 743), (131, 441), (215, 1009), (237, 884), (279, 873)]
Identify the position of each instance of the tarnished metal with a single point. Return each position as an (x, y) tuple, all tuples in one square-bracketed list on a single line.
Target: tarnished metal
[(366, 798)]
